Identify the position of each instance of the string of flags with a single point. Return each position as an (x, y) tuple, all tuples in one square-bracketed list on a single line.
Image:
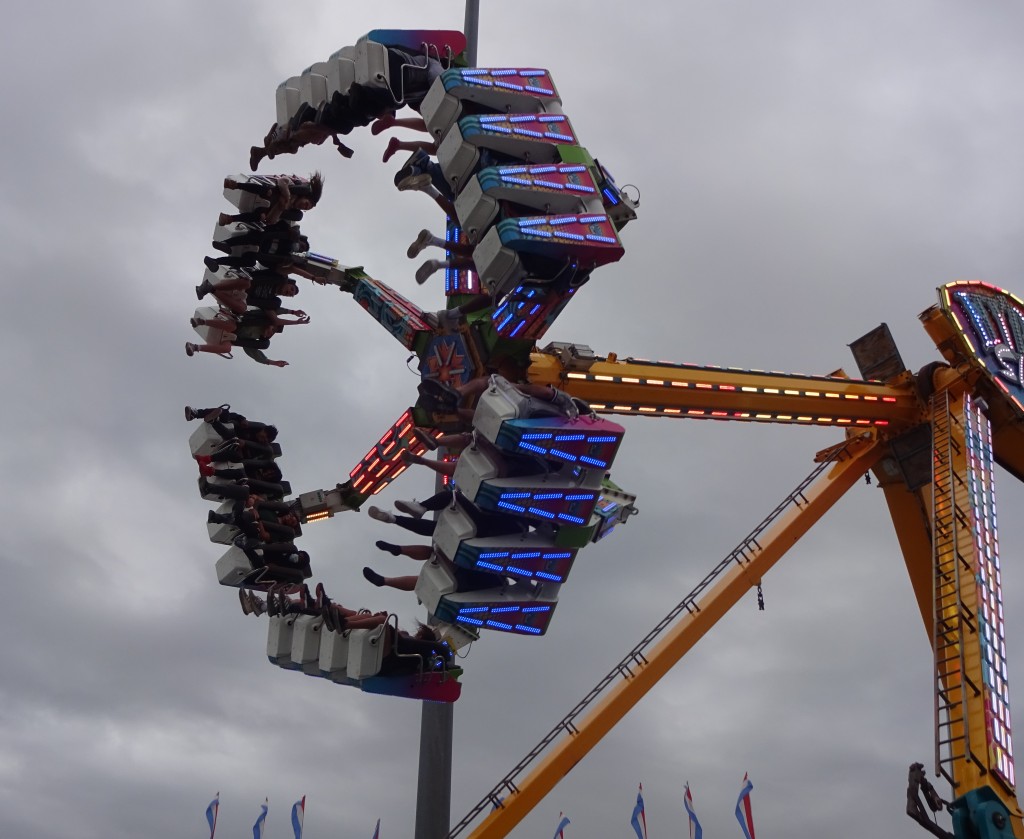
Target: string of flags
[(638, 819), (297, 818)]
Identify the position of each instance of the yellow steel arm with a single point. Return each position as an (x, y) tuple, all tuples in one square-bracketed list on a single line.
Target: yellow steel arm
[(752, 561), (651, 388)]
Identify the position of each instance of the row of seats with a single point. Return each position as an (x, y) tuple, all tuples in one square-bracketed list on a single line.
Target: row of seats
[(368, 659), (548, 471)]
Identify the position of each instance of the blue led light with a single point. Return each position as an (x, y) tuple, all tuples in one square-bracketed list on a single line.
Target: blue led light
[(563, 220), (608, 240), (507, 506), (509, 85), (481, 82), (513, 170), (494, 555), (530, 222), (531, 629), (542, 513), (515, 331), (474, 621), (489, 566), (504, 323), (474, 71), (573, 519), (522, 118), (612, 198), (472, 610), (563, 555), (500, 609), (544, 234), (554, 135), (591, 219), (568, 170), (544, 575), (584, 496), (564, 455), (547, 496), (534, 89), (515, 495), (535, 309), (579, 188), (543, 170), (528, 132), (526, 555), (548, 184), (522, 572), (527, 609), (593, 461), (528, 73), (508, 179), (531, 447), (487, 119), (551, 118), (538, 435), (500, 129), (565, 234), (564, 437), (509, 72), (499, 625), (609, 439)]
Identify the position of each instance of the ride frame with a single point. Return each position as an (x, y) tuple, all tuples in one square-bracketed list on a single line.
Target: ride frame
[(930, 440)]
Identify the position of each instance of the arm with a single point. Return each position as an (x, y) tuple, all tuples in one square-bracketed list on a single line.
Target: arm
[(258, 355)]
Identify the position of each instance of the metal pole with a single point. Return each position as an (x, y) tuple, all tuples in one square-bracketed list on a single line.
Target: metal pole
[(472, 30), (437, 721)]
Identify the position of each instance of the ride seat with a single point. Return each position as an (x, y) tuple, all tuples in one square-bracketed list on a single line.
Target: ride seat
[(280, 630), (305, 653), (333, 658), (234, 568), (288, 99), (313, 83), (366, 651), (223, 534)]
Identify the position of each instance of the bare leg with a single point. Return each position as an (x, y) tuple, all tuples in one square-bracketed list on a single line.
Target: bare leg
[(407, 583), (395, 145), (233, 300), (442, 467), (389, 121)]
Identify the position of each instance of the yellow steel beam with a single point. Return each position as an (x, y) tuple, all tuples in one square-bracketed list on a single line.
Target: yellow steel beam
[(864, 450), (649, 388)]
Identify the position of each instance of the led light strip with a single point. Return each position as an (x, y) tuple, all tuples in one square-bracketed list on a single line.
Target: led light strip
[(988, 578)]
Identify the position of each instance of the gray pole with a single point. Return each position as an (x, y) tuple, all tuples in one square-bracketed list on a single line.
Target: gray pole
[(437, 720)]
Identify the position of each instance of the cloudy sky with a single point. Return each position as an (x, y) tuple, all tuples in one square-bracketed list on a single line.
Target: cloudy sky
[(807, 170)]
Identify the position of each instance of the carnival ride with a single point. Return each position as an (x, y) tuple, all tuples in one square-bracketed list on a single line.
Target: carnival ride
[(539, 214)]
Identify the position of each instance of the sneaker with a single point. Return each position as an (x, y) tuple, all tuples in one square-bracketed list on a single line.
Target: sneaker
[(190, 349), (426, 439), (204, 288), (211, 263), (411, 508), (372, 576), (381, 515), (427, 269), (223, 247), (257, 604), (195, 322), (243, 598), (190, 413), (414, 183), (424, 240), (230, 183), (224, 220), (394, 550)]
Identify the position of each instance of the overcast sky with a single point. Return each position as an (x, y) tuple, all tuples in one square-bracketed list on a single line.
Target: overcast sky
[(807, 170)]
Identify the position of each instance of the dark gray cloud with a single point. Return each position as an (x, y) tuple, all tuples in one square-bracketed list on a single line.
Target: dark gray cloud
[(805, 173)]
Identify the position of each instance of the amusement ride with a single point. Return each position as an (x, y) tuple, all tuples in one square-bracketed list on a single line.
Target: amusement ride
[(525, 441)]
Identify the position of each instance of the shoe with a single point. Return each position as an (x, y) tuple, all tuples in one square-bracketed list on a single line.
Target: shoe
[(394, 550), (243, 598), (190, 349), (381, 515), (372, 576), (195, 322), (213, 518), (256, 154), (271, 603), (223, 247), (427, 270), (190, 414), (321, 596), (206, 470), (327, 613), (424, 240), (203, 289), (224, 219), (411, 508), (414, 183), (230, 183), (410, 459), (211, 263), (426, 439), (257, 604)]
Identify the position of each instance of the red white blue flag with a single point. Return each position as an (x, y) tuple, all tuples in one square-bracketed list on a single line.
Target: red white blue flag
[(261, 820), (695, 831), (563, 821), (376, 830), (639, 820), (211, 814), (298, 814), (744, 815)]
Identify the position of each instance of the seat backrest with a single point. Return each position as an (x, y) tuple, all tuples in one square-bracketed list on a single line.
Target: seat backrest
[(366, 651)]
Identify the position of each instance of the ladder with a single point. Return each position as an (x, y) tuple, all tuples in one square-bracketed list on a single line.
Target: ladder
[(952, 619), (742, 555)]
